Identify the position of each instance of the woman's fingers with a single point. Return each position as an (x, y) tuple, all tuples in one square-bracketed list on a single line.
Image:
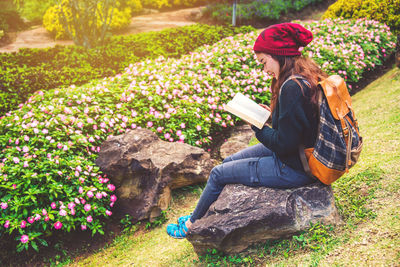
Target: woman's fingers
[(265, 106)]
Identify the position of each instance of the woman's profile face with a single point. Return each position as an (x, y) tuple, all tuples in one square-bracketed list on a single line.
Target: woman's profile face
[(271, 66)]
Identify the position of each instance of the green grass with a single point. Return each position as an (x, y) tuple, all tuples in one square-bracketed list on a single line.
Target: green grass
[(367, 198)]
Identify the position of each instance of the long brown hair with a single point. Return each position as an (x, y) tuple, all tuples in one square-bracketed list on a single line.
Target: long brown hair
[(297, 65)]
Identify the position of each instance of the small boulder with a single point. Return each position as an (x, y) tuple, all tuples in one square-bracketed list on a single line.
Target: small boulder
[(243, 216), (239, 140), (145, 168)]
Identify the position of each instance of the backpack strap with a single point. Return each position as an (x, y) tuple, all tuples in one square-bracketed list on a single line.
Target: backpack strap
[(291, 77)]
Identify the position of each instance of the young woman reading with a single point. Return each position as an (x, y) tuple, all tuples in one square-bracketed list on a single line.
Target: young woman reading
[(275, 161)]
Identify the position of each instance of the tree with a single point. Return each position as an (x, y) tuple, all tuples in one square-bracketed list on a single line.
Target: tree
[(86, 21)]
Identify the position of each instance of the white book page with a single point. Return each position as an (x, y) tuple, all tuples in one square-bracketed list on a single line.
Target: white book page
[(249, 108)]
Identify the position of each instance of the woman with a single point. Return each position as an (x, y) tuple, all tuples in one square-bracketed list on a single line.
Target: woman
[(275, 161)]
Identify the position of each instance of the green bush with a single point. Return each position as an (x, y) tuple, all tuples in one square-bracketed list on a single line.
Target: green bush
[(10, 20), (34, 10), (385, 11), (30, 70), (253, 11), (168, 4)]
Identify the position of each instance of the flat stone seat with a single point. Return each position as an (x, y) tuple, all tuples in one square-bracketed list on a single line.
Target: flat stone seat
[(243, 216)]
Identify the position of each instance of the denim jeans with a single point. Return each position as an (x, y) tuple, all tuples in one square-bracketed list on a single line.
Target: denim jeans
[(253, 166)]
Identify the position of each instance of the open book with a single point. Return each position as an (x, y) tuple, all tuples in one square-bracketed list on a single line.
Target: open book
[(248, 110)]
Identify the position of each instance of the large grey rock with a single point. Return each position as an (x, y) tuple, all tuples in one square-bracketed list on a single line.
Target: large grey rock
[(242, 216), (239, 140), (144, 169)]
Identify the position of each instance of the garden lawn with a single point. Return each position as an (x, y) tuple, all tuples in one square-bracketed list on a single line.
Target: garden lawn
[(369, 236)]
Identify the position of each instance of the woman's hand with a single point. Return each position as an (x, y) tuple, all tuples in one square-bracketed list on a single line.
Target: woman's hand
[(266, 107)]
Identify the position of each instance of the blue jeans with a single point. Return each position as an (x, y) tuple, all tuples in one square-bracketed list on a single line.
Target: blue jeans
[(253, 166)]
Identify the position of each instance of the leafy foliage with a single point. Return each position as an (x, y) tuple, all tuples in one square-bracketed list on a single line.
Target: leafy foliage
[(384, 11), (252, 11), (33, 10), (9, 17), (30, 70)]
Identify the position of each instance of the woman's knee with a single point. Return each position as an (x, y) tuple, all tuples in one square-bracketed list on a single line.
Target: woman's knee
[(227, 159), (215, 175)]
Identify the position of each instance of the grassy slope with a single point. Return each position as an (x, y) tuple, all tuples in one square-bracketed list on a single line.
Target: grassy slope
[(372, 241)]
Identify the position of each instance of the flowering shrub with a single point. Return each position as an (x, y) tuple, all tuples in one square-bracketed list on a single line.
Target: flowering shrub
[(385, 11), (349, 47), (31, 70), (48, 178)]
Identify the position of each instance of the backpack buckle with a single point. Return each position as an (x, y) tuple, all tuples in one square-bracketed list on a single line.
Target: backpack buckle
[(346, 131)]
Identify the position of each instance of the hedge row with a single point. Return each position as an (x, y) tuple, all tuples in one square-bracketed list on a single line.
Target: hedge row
[(254, 11), (31, 70)]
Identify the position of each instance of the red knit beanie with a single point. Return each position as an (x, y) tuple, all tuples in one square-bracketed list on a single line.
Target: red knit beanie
[(283, 39)]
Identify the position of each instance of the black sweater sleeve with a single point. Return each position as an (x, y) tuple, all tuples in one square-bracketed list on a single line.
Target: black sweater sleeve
[(287, 132)]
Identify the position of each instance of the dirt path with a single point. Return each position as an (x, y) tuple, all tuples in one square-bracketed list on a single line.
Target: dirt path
[(38, 37)]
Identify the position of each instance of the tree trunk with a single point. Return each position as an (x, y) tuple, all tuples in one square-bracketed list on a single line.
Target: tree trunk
[(397, 55)]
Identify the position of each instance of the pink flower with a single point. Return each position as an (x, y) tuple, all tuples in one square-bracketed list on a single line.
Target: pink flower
[(24, 239), (14, 186), (45, 131), (167, 136), (26, 165), (3, 205), (87, 207), (44, 212), (198, 127), (90, 194), (109, 213), (30, 220), (183, 125), (72, 211), (23, 224), (37, 217), (89, 219), (16, 160), (159, 129), (71, 205), (149, 124), (57, 225), (46, 219), (111, 187), (53, 205), (99, 195), (25, 149), (7, 224), (83, 227), (113, 198), (26, 138), (80, 190), (179, 133), (62, 213)]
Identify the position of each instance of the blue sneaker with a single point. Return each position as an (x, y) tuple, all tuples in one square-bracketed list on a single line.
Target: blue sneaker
[(183, 219), (177, 231)]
